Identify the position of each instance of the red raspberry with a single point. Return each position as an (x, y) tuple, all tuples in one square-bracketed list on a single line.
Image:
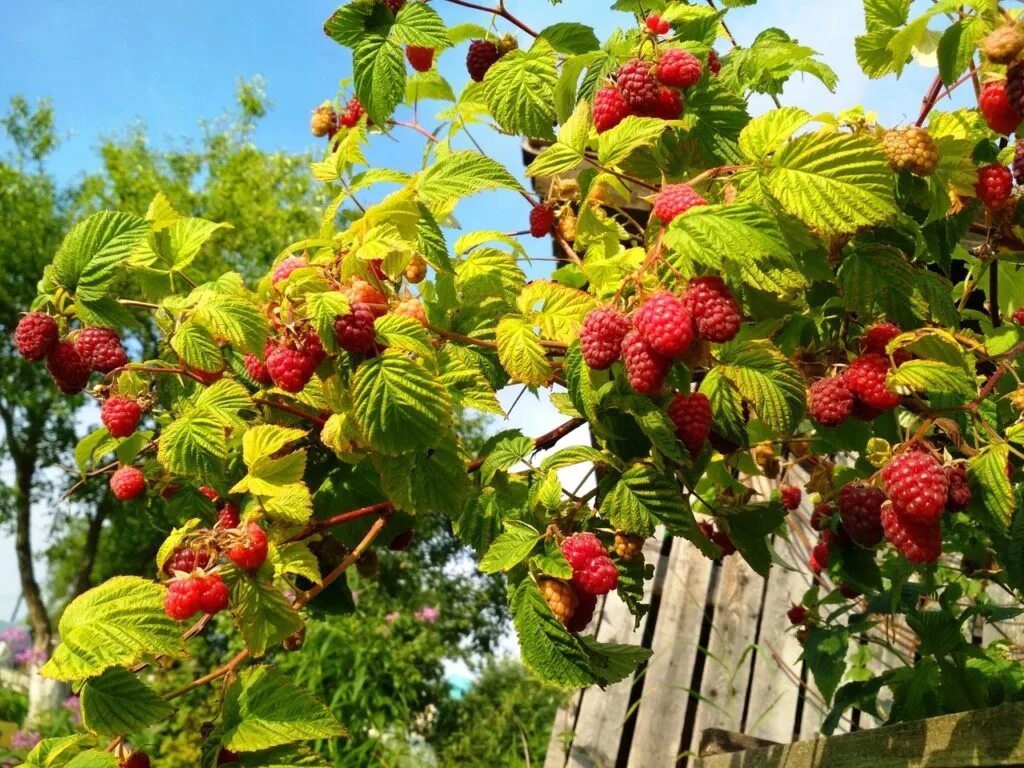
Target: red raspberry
[(674, 200), (598, 577), (580, 548), (215, 595), (229, 516), (542, 219), (186, 560), (791, 496), (1018, 163), (136, 760), (355, 331), (1015, 87), (995, 184), (796, 614), (819, 557), (69, 371), (310, 344), (996, 108), (670, 104), (584, 613), (128, 483), (724, 542), (679, 68), (638, 86), (182, 599), (480, 58), (601, 337), (821, 517), (860, 510), (101, 349), (353, 112), (665, 324), (209, 493), (657, 25), (877, 337), (865, 378), (120, 415), (919, 542), (258, 370), (916, 483), (286, 267), (645, 369), (420, 57), (36, 335), (714, 63), (609, 108), (561, 598), (830, 401), (959, 490), (290, 369), (394, 5), (250, 552), (692, 417), (714, 309), (1018, 316), (839, 538)]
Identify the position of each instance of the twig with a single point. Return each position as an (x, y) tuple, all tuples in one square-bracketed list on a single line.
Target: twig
[(499, 11)]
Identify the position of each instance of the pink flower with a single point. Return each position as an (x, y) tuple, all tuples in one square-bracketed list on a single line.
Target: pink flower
[(25, 739), (72, 705), (392, 616), (31, 656), (428, 613)]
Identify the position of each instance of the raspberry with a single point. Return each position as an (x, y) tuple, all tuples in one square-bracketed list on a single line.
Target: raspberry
[(865, 378), (480, 58), (411, 308), (36, 335), (561, 598), (128, 483), (1015, 87), (215, 595), (353, 112), (670, 104), (628, 546), (120, 415), (182, 599), (796, 614), (911, 149), (919, 542), (598, 577), (656, 24), (679, 68), (860, 510), (675, 199), (819, 557), (401, 541), (186, 560), (609, 108), (996, 108), (724, 542), (714, 309), (226, 756), (584, 613), (289, 368), (363, 292), (638, 86), (1018, 163), (101, 349), (229, 516), (645, 369), (209, 493), (355, 331), (917, 485), (394, 5), (829, 401), (286, 267), (542, 219), (1003, 44), (665, 324), (849, 592), (791, 496), (324, 121), (69, 371), (506, 44), (250, 552), (821, 517), (959, 491), (714, 63), (601, 337), (420, 57), (692, 417), (877, 337), (136, 760), (416, 269), (258, 370), (994, 186), (580, 548)]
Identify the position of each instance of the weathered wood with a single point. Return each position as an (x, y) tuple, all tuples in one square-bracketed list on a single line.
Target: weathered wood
[(1011, 630), (986, 737), (663, 704), (716, 741), (562, 731)]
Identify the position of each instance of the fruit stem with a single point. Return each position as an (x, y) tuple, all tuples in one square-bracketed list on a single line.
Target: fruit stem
[(499, 11)]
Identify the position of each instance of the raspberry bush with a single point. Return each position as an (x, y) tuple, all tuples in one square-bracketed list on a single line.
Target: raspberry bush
[(798, 305)]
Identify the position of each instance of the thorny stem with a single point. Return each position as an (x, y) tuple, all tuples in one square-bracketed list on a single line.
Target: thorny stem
[(499, 11)]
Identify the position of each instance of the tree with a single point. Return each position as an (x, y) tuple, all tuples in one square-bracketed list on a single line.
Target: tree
[(800, 288)]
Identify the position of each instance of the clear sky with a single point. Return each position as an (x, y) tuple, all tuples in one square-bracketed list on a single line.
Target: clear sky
[(108, 63)]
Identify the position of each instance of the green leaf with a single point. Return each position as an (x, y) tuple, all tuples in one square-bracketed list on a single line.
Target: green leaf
[(613, 662), (224, 400), (422, 86), (749, 528), (767, 380), (520, 351), (264, 709), (118, 703), (235, 319), (462, 174), (187, 238), (94, 758), (115, 624), (399, 404), (505, 453), (463, 376), (424, 481), (957, 46), (557, 310), (93, 253), (57, 752), (552, 562), (879, 14), (378, 66), (193, 444), (262, 614), (265, 440), (825, 655), (1013, 550), (618, 143), (570, 37), (295, 558), (520, 90), (488, 272), (404, 333), (654, 423), (933, 377), (640, 498), (576, 454), (419, 24), (569, 151), (986, 472), (197, 347), (582, 382), (511, 547), (768, 132)]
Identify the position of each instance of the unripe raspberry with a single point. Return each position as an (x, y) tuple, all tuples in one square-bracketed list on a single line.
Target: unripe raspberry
[(670, 104), (994, 103), (480, 58), (542, 219), (411, 308), (692, 416), (186, 560), (656, 25), (229, 516), (918, 541), (128, 483), (674, 200), (645, 369), (860, 510), (416, 269), (1003, 44), (120, 415), (561, 598), (665, 324), (638, 86), (215, 595), (101, 349), (796, 614), (714, 63), (250, 552), (865, 378), (420, 57), (136, 760), (679, 68), (286, 267), (911, 149), (580, 548), (959, 489), (290, 368), (790, 495), (352, 114), (324, 121), (506, 44), (601, 337), (829, 401), (258, 370), (609, 108), (819, 557), (360, 291), (36, 335), (628, 546), (994, 185), (69, 371), (715, 311), (182, 599), (822, 516), (916, 485), (584, 613)]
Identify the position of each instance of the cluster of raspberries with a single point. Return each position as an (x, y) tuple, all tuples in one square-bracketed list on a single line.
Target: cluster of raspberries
[(861, 390), (72, 359), (593, 574), (661, 329), (483, 54), (649, 88)]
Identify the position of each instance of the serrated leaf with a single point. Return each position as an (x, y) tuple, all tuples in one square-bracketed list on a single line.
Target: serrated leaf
[(571, 37), (194, 444), (767, 380), (94, 758), (294, 558), (433, 480), (57, 752), (987, 474), (618, 143), (405, 333), (117, 702), (234, 319), (766, 133), (187, 238), (378, 67), (462, 174), (932, 377), (520, 351), (582, 382), (264, 440), (552, 562), (224, 400), (464, 378), (556, 309), (577, 454), (520, 89), (196, 347), (504, 454), (419, 24), (427, 85), (92, 255), (511, 547), (641, 497), (488, 272), (262, 614), (825, 655)]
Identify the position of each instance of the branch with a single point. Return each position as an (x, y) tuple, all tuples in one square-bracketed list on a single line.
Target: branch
[(1001, 370), (540, 443), (500, 11)]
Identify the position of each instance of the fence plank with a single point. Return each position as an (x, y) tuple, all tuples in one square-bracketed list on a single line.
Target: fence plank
[(1011, 629)]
